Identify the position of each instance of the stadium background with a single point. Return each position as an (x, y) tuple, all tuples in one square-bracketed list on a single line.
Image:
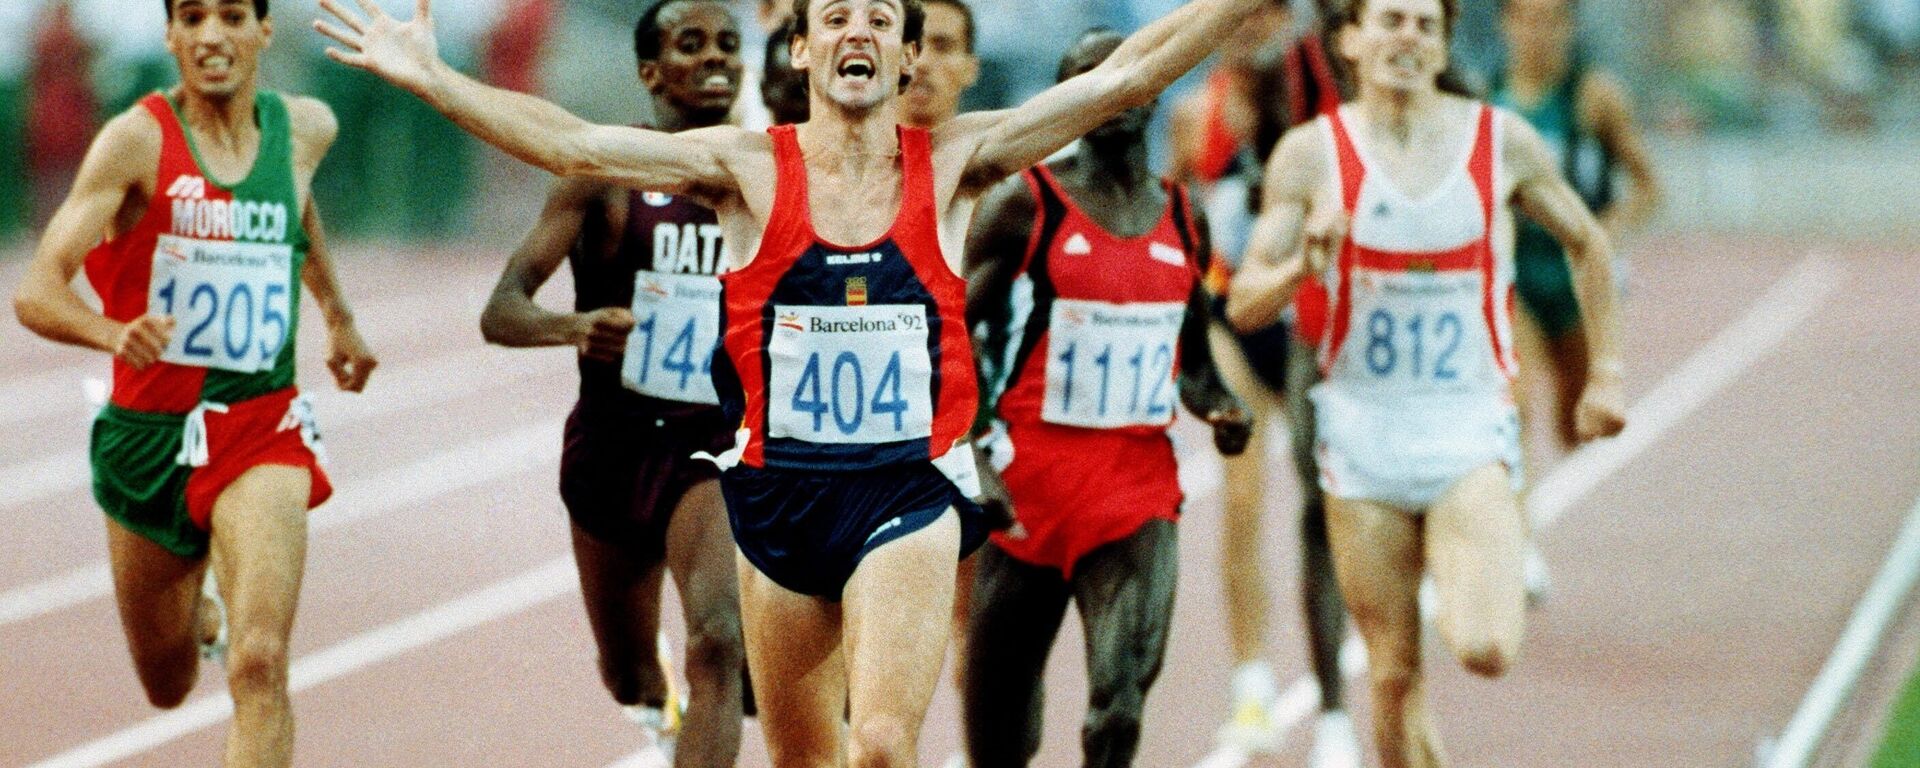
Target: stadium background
[(1787, 132)]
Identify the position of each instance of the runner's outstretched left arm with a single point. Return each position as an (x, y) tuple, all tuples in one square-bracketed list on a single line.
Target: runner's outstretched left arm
[(1202, 391), (1000, 144)]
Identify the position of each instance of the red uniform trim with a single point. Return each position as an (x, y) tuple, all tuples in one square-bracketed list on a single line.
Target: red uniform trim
[(120, 269), (1480, 167), (1352, 174), (1218, 143)]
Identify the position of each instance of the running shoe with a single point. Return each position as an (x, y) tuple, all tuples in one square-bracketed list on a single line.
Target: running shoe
[(1334, 743), (212, 611)]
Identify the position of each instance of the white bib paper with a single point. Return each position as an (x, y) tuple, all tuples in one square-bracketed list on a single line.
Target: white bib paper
[(676, 325), (230, 301), (1111, 365), (850, 374)]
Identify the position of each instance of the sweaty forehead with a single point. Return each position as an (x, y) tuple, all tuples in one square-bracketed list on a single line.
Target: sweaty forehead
[(895, 5), (180, 5)]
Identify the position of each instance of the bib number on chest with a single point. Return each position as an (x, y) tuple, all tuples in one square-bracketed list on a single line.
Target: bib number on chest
[(231, 301), (1415, 346), (676, 325), (1111, 365), (850, 374)]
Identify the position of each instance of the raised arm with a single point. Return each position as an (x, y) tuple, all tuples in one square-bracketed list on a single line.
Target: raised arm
[(514, 319), (1545, 197), (1275, 261), (1006, 142), (121, 158), (531, 129)]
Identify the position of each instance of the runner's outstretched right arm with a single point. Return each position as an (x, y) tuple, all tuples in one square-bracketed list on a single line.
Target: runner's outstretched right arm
[(526, 127), (126, 150), (513, 319)]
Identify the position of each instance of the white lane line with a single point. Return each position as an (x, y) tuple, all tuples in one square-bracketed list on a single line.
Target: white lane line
[(449, 471), (411, 386), (1857, 645), (550, 580), (1792, 299)]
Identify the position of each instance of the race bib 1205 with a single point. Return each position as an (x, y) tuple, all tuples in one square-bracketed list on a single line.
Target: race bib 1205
[(1111, 365), (676, 325), (850, 374), (231, 301)]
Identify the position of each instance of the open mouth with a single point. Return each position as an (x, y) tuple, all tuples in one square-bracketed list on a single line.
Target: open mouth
[(717, 82), (217, 64), (857, 66)]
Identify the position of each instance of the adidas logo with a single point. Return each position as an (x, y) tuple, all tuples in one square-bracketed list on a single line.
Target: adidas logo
[(1167, 254), (1077, 245)]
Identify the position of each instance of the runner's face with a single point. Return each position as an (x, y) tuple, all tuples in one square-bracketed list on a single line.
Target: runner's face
[(217, 44), (699, 66), (1539, 32), (945, 69), (854, 51), (1398, 45)]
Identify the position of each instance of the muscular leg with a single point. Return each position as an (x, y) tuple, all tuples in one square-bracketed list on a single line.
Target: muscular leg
[(963, 577), (1476, 536), (1377, 556), (1243, 580), (898, 611), (1125, 593), (260, 553), (800, 680), (158, 592), (1012, 627), (1326, 612), (699, 554), (621, 590)]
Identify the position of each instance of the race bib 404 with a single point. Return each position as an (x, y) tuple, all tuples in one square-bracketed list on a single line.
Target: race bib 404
[(676, 325), (1111, 365), (850, 374), (231, 302)]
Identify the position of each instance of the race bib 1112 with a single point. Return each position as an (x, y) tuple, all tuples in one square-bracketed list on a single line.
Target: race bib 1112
[(1111, 365)]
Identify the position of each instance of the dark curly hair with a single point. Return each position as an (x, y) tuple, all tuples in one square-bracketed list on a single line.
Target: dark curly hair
[(259, 9)]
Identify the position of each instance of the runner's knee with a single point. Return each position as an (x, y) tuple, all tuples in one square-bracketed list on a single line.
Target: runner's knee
[(257, 663), (1113, 724), (1392, 679), (881, 741), (714, 646)]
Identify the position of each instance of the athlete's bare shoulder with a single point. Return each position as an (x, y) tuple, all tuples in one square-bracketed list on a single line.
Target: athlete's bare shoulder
[(747, 156), (1299, 162), (127, 149), (314, 129)]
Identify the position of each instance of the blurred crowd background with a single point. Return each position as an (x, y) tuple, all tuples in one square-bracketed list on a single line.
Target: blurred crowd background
[(1786, 116)]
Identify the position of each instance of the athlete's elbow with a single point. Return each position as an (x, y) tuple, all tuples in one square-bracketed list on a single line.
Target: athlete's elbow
[(1136, 85), (31, 310), (1242, 316)]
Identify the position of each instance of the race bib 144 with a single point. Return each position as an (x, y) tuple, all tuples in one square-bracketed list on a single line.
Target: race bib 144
[(231, 301), (676, 325), (850, 374)]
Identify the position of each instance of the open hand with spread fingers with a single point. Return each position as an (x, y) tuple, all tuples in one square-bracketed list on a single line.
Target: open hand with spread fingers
[(403, 53)]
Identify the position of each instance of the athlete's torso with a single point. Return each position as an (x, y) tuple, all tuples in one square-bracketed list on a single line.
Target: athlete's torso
[(1096, 317), (223, 259), (1422, 298), (847, 357), (660, 256)]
